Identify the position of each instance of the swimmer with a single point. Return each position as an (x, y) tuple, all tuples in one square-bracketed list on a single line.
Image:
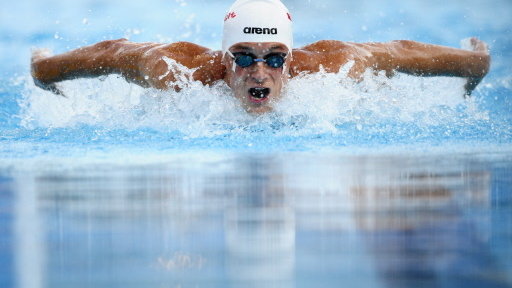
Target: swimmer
[(257, 58)]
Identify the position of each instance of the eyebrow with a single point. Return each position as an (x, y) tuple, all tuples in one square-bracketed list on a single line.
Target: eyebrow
[(240, 47), (277, 47)]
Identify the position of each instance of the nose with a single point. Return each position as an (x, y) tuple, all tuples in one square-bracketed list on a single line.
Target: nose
[(258, 72)]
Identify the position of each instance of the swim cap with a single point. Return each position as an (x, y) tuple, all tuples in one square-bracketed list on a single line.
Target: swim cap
[(257, 21)]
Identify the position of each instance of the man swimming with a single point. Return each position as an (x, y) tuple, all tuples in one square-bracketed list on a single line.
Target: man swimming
[(257, 58)]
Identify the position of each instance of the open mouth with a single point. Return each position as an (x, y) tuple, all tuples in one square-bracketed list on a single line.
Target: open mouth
[(259, 94)]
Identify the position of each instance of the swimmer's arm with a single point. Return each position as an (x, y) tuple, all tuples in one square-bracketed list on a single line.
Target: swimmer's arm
[(402, 56), (433, 60), (91, 61), (140, 63)]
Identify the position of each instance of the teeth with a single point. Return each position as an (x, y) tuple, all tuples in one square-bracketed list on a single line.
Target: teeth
[(259, 92)]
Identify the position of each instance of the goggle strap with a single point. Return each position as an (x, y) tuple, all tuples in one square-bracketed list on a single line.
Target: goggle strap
[(234, 63)]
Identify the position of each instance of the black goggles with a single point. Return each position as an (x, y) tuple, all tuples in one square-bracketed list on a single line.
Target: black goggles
[(244, 60)]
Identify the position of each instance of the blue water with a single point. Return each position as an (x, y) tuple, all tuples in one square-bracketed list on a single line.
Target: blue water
[(385, 183)]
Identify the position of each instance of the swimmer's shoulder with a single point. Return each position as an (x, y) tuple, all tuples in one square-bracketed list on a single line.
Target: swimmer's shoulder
[(329, 54), (324, 50), (326, 46), (186, 53), (185, 48)]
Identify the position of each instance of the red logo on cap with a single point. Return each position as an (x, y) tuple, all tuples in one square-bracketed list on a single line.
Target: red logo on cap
[(230, 15), (289, 16)]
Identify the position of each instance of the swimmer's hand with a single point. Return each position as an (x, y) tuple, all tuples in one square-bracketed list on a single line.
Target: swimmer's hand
[(38, 55), (52, 87), (477, 45)]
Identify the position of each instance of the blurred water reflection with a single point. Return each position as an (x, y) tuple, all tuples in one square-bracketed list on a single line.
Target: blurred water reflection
[(295, 220)]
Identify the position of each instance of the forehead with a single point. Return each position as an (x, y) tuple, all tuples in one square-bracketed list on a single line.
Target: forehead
[(259, 47)]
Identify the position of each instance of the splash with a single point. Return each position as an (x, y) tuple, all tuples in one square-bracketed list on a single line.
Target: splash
[(312, 104)]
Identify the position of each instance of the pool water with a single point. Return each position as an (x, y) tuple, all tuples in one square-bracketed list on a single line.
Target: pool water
[(385, 183), (287, 220)]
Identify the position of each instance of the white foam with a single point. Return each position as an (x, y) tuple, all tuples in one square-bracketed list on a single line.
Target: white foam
[(314, 103)]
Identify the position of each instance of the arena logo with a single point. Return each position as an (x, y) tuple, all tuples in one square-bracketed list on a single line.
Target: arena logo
[(258, 30)]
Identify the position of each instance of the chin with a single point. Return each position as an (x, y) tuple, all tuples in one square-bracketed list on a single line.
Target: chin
[(256, 101), (258, 110)]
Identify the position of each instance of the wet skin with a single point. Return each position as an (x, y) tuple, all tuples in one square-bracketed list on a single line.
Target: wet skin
[(246, 82)]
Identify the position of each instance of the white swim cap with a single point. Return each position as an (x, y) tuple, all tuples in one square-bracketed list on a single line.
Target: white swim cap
[(257, 21)]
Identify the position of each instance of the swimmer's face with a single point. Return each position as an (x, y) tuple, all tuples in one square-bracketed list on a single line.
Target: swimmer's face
[(259, 85)]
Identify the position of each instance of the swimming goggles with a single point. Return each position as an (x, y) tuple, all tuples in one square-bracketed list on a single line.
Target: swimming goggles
[(244, 60)]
